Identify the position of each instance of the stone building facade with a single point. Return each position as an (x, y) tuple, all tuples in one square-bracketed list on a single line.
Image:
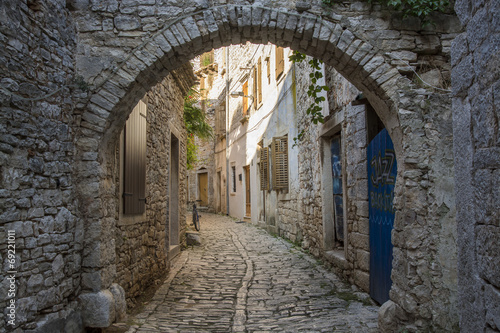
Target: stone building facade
[(72, 70), (476, 104), (146, 242)]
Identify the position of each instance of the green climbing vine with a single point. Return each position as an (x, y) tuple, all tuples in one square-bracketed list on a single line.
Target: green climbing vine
[(314, 110), (416, 8), (196, 125)]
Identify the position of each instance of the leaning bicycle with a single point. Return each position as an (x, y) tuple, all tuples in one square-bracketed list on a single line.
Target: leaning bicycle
[(196, 217)]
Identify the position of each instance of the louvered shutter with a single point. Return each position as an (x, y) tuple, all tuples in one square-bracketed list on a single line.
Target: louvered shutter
[(264, 168), (280, 62), (259, 81), (255, 92), (280, 163), (134, 173), (245, 99)]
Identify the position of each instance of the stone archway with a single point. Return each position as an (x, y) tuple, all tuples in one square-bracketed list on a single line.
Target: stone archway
[(423, 243)]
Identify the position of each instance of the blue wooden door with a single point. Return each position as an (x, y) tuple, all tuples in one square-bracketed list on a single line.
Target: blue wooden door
[(381, 179)]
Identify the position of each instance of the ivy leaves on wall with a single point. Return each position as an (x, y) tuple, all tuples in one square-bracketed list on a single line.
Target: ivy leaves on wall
[(196, 125), (417, 8), (314, 89)]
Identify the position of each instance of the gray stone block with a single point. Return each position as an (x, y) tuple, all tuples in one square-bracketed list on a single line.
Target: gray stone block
[(98, 309)]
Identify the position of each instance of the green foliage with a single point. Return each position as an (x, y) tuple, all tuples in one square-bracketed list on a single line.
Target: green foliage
[(417, 8), (196, 125), (314, 110), (195, 118), (329, 2), (191, 151)]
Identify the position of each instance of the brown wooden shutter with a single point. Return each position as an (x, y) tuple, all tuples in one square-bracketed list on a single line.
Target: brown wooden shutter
[(264, 168), (259, 81), (280, 62), (280, 163), (245, 99), (255, 93), (134, 173)]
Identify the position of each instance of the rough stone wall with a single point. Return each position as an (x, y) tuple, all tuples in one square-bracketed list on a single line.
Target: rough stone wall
[(476, 117), (424, 236), (356, 203), (427, 244), (142, 244), (36, 154)]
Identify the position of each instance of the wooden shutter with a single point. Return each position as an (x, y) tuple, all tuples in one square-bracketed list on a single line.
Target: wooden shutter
[(280, 162), (255, 93), (245, 99), (280, 62), (259, 81), (134, 173), (220, 122), (264, 168)]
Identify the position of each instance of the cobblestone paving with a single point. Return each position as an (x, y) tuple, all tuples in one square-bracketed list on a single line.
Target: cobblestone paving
[(241, 279)]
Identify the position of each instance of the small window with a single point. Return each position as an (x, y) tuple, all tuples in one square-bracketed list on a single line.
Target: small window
[(245, 99), (233, 168), (257, 84)]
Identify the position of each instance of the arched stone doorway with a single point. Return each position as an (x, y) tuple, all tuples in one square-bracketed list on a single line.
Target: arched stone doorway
[(424, 262)]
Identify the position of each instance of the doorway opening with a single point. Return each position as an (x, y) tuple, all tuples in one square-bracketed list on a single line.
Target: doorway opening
[(203, 188), (173, 202), (248, 208)]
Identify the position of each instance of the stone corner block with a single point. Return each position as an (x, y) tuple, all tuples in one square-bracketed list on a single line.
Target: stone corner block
[(120, 301), (387, 316), (98, 309)]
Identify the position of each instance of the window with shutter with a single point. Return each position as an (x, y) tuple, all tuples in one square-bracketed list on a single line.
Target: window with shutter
[(254, 92), (245, 99), (233, 169), (220, 122), (134, 161), (264, 168), (280, 62), (259, 82), (280, 163)]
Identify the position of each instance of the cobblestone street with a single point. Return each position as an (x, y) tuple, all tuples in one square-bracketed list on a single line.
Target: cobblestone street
[(242, 279)]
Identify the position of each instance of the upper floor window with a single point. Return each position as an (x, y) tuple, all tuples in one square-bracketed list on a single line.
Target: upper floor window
[(245, 99), (220, 119), (257, 84), (134, 161), (280, 62)]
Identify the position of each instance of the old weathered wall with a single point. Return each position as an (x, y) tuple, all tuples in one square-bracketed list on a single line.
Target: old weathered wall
[(37, 202), (476, 105), (142, 241)]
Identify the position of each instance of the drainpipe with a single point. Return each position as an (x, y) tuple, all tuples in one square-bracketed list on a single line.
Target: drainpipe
[(227, 130)]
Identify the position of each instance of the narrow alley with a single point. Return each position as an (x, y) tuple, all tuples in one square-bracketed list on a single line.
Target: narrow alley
[(242, 279)]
